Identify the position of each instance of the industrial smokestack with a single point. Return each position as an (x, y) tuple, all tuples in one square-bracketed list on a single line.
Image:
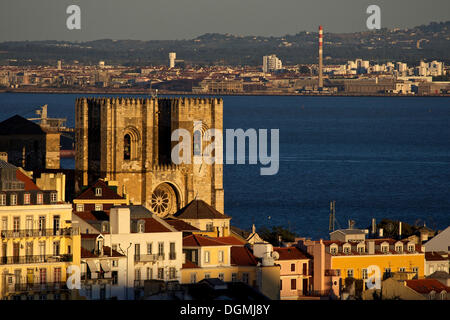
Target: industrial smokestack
[(320, 57)]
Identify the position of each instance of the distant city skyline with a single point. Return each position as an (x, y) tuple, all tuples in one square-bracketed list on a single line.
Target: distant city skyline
[(178, 19)]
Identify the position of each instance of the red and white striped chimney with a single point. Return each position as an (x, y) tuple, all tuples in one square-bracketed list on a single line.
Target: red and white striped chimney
[(320, 57)]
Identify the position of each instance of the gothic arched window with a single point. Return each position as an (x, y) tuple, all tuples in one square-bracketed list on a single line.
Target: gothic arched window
[(197, 143), (127, 147)]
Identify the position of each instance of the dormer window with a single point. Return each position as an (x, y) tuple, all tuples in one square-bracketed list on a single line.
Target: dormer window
[(361, 249), (98, 207), (333, 250), (399, 248), (384, 248), (98, 192), (39, 198), (13, 199), (80, 207), (26, 198), (141, 227), (411, 248)]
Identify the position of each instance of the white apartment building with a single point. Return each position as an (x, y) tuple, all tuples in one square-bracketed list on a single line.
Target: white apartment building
[(152, 247), (271, 63)]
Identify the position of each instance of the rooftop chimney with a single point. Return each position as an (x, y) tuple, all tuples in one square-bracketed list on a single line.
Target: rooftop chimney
[(399, 229), (374, 226), (320, 57)]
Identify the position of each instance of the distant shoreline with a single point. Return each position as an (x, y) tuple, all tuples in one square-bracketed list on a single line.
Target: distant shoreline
[(186, 93)]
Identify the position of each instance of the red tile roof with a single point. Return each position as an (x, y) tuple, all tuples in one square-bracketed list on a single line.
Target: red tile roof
[(290, 253), (107, 192), (152, 225), (201, 241), (92, 215), (435, 256), (427, 285), (241, 256), (29, 184), (199, 209), (181, 225), (231, 240), (189, 265)]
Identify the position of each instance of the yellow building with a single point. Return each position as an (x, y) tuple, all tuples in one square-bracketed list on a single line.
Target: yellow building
[(38, 243), (335, 261), (227, 259)]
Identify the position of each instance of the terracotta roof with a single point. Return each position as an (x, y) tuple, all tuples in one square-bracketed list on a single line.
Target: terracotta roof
[(201, 241), (92, 215), (181, 225), (231, 240), (199, 209), (152, 225), (427, 285), (29, 184), (290, 253), (435, 256), (241, 256), (189, 265), (107, 192)]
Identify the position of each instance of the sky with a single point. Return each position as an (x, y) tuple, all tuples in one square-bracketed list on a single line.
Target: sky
[(186, 19)]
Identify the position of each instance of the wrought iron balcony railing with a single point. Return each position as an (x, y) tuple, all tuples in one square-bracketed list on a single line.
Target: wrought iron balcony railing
[(37, 287), (24, 233), (35, 259)]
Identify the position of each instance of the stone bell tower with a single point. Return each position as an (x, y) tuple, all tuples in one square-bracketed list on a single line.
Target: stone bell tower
[(129, 140)]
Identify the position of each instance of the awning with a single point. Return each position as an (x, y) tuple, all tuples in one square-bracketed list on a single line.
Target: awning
[(106, 266), (92, 266)]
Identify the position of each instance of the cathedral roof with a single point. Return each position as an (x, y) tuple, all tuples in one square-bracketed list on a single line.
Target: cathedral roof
[(199, 209)]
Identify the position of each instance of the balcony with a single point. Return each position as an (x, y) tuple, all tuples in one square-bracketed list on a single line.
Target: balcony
[(34, 233), (172, 255), (104, 278), (149, 257), (35, 259), (36, 287)]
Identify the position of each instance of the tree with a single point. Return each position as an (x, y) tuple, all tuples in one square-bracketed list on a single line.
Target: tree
[(272, 236)]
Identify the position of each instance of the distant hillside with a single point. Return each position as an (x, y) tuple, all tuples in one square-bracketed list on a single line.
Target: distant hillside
[(226, 49)]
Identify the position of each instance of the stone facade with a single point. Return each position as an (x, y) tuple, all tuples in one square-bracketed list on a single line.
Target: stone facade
[(129, 140)]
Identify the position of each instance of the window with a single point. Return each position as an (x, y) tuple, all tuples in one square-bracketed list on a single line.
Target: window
[(149, 248), (399, 248), (57, 275), (53, 197), (293, 284), (26, 198), (333, 250), (160, 248), (13, 199), (98, 192), (207, 275), (193, 277), (207, 257), (42, 275), (197, 143), (347, 249), (56, 225), (40, 198), (149, 273), (364, 274), (385, 248), (80, 207), (172, 273), (281, 285), (350, 273), (221, 256), (161, 273), (105, 227), (137, 252), (137, 274), (245, 277), (234, 277), (56, 248), (292, 267), (415, 270), (98, 207), (115, 263), (361, 249), (221, 276), (387, 272), (402, 269), (141, 227), (209, 227), (172, 255), (411, 248), (41, 223), (115, 277), (5, 223), (2, 199), (16, 224), (127, 147)]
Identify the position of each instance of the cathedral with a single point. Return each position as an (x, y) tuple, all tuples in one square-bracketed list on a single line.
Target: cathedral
[(128, 140)]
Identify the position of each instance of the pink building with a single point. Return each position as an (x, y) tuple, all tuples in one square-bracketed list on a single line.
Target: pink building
[(294, 272)]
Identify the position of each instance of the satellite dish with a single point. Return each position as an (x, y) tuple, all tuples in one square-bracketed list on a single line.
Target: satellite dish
[(275, 255)]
